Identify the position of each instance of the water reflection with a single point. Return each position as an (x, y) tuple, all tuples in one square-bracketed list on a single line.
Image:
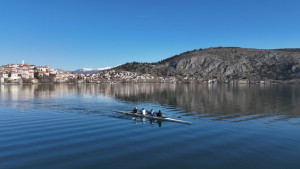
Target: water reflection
[(221, 102), (234, 103), (142, 120), (139, 120)]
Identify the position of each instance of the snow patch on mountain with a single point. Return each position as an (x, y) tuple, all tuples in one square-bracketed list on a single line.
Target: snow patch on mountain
[(91, 70)]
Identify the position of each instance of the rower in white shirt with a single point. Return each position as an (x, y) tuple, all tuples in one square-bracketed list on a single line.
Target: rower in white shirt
[(144, 112)]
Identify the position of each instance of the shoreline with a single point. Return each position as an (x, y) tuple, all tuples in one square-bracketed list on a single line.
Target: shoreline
[(273, 82)]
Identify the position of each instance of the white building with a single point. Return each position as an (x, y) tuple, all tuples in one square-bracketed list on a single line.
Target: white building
[(43, 68), (25, 76), (12, 66), (14, 76), (5, 75)]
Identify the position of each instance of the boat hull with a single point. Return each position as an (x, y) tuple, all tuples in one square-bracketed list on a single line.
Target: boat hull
[(156, 118)]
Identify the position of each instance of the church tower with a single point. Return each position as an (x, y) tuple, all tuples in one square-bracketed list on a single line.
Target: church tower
[(22, 62)]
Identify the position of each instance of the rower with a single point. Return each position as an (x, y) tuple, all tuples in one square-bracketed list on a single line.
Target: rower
[(159, 114), (152, 112), (135, 110), (144, 112)]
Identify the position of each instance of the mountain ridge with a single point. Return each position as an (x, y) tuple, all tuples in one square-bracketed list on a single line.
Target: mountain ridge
[(226, 63)]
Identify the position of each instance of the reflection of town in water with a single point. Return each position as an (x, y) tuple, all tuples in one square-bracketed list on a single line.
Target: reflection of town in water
[(215, 102)]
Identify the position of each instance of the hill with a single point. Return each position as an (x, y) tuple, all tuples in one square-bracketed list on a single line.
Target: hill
[(226, 63)]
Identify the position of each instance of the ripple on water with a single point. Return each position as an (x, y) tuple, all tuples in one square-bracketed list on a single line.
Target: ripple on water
[(76, 127)]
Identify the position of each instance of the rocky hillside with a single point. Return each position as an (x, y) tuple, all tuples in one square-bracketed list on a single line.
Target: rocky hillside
[(226, 63)]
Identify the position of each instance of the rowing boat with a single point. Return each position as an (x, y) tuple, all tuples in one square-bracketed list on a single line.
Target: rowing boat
[(156, 118)]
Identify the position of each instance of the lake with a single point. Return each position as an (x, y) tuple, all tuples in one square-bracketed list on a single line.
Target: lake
[(78, 126)]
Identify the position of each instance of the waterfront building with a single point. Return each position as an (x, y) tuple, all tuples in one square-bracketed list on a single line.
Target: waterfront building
[(14, 76)]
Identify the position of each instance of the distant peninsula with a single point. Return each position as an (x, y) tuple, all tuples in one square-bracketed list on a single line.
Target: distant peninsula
[(211, 65)]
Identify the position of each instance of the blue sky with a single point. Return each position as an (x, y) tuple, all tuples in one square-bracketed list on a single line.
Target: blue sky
[(72, 34)]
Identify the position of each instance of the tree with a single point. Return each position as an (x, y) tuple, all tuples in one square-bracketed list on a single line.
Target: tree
[(36, 75)]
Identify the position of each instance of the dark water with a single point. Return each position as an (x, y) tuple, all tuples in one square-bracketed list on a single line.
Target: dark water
[(76, 126)]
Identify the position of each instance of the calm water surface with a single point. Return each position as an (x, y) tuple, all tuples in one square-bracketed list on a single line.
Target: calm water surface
[(77, 126)]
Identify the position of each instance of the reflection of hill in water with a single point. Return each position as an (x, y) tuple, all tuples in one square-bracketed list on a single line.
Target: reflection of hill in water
[(218, 102)]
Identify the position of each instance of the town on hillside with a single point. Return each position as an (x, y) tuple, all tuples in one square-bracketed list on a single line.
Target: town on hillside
[(27, 73)]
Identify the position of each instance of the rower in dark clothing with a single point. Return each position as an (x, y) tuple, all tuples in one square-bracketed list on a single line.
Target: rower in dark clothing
[(135, 110), (159, 114), (152, 112)]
